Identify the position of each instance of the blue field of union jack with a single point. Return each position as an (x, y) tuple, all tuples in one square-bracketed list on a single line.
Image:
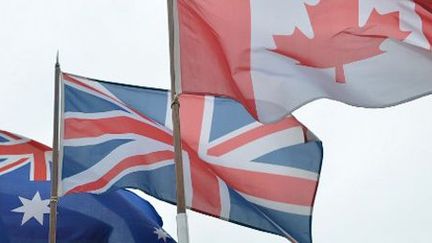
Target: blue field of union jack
[(262, 176)]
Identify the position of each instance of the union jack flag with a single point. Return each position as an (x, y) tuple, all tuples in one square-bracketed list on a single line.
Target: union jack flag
[(17, 151), (263, 176)]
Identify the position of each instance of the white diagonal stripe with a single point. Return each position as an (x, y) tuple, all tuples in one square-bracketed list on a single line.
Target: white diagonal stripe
[(98, 115), (15, 141), (263, 145), (263, 168), (108, 98), (139, 147), (154, 166), (234, 133), (10, 159), (77, 142)]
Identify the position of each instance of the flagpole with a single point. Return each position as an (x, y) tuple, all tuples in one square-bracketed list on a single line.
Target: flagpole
[(182, 225), (55, 156)]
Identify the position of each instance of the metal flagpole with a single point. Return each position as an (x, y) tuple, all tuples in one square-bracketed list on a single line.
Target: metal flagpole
[(55, 156), (182, 225)]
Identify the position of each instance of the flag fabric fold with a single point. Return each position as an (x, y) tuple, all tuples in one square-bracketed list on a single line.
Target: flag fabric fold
[(275, 57), (263, 176), (118, 216)]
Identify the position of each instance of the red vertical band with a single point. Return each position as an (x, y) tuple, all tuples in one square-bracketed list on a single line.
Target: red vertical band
[(215, 44)]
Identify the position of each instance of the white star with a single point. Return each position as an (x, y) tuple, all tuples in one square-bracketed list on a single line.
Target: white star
[(34, 208), (161, 234)]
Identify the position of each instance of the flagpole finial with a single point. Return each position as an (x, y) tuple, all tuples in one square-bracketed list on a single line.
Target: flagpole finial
[(57, 58)]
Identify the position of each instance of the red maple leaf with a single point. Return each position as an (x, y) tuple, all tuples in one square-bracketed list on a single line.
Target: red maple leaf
[(424, 10), (338, 39)]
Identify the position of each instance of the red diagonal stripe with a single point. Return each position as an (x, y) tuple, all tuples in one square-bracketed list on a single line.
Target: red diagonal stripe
[(133, 161), (77, 82), (109, 97), (14, 164), (78, 128), (11, 135), (253, 134), (279, 188)]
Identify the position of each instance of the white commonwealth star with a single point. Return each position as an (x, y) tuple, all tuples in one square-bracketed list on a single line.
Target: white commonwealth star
[(161, 234), (34, 208)]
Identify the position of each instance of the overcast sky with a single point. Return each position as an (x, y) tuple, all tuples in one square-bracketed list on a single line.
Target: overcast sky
[(376, 176)]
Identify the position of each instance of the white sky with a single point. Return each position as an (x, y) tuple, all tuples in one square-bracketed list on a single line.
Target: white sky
[(375, 181)]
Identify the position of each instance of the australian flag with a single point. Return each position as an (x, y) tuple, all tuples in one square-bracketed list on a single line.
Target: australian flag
[(263, 176), (118, 216)]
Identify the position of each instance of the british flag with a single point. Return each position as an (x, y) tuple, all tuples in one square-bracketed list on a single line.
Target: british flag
[(262, 176), (17, 151)]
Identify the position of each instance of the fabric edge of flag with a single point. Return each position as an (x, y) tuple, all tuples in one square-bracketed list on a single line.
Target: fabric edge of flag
[(316, 189), (114, 83), (351, 104)]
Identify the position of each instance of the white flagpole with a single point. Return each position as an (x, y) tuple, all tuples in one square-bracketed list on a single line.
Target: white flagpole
[(182, 225)]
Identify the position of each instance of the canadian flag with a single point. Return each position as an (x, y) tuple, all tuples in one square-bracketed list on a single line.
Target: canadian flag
[(275, 56)]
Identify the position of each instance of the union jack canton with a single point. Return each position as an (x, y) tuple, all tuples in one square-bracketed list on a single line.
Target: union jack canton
[(235, 168), (17, 151)]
